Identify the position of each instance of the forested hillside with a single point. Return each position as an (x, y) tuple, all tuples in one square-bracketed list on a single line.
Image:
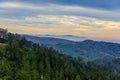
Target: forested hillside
[(24, 60), (89, 50)]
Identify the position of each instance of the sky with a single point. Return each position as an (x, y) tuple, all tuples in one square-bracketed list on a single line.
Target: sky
[(88, 18)]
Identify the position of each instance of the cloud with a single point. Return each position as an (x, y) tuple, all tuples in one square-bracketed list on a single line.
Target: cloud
[(18, 5), (20, 9), (106, 4), (59, 19), (64, 24)]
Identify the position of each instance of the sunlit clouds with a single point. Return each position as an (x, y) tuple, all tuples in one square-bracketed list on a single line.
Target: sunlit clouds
[(28, 18), (56, 24)]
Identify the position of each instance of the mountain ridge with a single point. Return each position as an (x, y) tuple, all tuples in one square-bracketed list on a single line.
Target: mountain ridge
[(87, 49)]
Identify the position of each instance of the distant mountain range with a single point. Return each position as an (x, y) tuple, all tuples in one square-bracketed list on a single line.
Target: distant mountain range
[(79, 38), (88, 49), (67, 37), (48, 41)]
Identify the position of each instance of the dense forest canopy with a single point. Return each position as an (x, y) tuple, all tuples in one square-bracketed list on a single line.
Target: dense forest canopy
[(24, 60)]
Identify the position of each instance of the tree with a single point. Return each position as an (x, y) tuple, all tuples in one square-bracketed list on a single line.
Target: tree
[(3, 33), (78, 77)]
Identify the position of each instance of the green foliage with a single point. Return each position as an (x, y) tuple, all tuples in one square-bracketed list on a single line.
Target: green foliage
[(24, 60), (77, 77)]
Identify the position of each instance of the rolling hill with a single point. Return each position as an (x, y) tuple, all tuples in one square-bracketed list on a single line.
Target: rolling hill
[(89, 50)]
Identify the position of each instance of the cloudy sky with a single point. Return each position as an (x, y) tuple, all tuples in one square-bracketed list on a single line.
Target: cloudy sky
[(88, 18)]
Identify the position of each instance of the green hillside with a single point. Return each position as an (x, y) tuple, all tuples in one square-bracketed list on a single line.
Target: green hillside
[(23, 60)]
